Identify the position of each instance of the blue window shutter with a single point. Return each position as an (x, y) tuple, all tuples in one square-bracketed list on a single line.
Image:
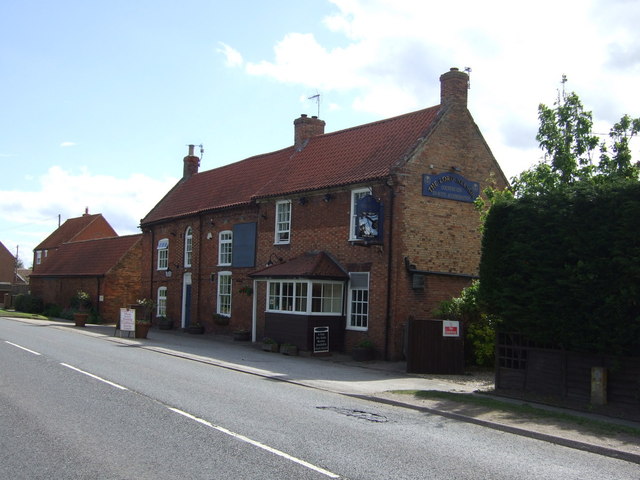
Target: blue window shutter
[(244, 245)]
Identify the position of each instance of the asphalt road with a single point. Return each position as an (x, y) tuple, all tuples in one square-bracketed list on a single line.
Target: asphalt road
[(75, 406)]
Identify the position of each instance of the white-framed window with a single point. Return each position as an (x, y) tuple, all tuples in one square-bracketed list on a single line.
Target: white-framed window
[(163, 254), (224, 294), (161, 304), (326, 297), (38, 257), (225, 247), (358, 308), (188, 246), (283, 221), (356, 194), (292, 296)]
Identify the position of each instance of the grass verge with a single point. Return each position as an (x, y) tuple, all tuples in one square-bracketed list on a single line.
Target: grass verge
[(11, 313), (524, 410)]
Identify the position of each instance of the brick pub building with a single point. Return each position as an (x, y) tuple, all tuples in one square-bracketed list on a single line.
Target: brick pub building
[(356, 230)]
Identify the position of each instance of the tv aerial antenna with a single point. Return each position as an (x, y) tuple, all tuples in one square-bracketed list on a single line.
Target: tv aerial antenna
[(316, 97)]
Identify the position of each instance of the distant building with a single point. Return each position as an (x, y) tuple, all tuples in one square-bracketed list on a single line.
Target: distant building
[(356, 230), (106, 267), (86, 227)]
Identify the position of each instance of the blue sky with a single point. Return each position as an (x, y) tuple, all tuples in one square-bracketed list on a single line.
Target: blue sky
[(99, 99)]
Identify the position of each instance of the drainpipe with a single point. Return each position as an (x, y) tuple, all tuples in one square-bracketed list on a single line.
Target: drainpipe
[(387, 324)]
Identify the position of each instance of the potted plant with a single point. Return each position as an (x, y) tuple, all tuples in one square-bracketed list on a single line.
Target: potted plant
[(288, 349), (143, 307), (270, 345), (248, 291), (241, 335), (219, 319), (363, 351), (81, 301), (195, 328), (165, 323)]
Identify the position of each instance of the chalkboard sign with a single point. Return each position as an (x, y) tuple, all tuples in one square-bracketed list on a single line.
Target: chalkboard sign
[(320, 339)]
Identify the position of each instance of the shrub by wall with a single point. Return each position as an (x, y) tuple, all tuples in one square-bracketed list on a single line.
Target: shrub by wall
[(564, 268)]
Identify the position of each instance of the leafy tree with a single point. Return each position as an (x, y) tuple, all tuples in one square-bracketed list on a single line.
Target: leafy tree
[(565, 135)]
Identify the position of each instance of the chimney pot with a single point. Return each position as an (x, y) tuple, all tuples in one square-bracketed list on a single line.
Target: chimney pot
[(191, 164), (305, 128)]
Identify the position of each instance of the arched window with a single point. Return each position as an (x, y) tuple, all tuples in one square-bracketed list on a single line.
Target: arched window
[(188, 246), (161, 309)]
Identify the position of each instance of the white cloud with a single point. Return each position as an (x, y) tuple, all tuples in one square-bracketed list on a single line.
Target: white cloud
[(68, 144), (232, 56), (393, 52), (122, 201)]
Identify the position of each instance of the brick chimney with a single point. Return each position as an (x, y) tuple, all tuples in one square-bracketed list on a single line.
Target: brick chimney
[(305, 128), (191, 164), (453, 87)]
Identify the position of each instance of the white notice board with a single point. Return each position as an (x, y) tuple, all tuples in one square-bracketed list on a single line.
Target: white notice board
[(127, 320)]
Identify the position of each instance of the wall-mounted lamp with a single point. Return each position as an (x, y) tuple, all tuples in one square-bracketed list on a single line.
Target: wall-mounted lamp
[(270, 261), (168, 273), (327, 197), (302, 200), (264, 216), (212, 222), (209, 235)]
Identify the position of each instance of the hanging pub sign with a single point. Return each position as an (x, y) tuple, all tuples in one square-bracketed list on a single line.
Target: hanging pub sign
[(450, 186), (369, 219)]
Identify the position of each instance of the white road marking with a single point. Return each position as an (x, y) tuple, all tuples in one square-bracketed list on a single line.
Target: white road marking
[(94, 376), (23, 348), (257, 444)]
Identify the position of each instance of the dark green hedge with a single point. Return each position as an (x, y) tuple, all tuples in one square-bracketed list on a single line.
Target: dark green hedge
[(564, 268)]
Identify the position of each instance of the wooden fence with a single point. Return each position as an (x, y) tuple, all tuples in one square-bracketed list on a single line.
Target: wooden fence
[(522, 366)]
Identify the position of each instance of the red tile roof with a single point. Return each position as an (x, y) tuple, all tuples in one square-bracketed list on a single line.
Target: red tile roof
[(364, 153), (309, 265), (73, 229), (87, 258)]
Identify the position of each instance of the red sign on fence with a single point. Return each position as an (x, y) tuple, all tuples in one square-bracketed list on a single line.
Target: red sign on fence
[(450, 328)]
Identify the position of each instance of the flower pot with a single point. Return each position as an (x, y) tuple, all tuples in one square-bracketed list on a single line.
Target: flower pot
[(165, 324), (241, 336), (80, 319), (142, 329), (195, 329), (291, 350), (270, 347)]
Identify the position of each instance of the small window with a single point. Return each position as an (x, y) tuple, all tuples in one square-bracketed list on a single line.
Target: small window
[(283, 222), (225, 247), (356, 195), (188, 246), (161, 307), (224, 293), (163, 254), (358, 317), (38, 257)]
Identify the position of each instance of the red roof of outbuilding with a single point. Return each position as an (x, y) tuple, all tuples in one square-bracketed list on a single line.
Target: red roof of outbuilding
[(87, 258), (73, 229), (358, 154)]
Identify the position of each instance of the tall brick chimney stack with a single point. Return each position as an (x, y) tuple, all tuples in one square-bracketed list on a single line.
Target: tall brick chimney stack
[(453, 87), (305, 128), (191, 164)]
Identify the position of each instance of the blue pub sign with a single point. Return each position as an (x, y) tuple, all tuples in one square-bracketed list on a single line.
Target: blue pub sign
[(450, 186), (369, 219)]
